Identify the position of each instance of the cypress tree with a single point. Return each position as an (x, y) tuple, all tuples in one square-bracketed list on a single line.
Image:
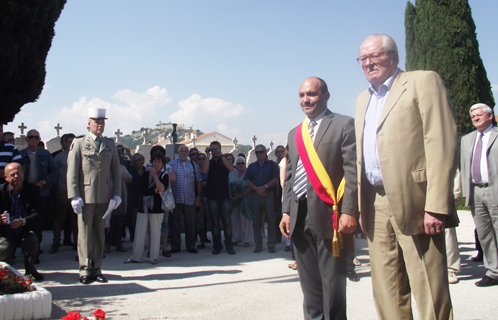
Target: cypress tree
[(440, 36), (26, 32)]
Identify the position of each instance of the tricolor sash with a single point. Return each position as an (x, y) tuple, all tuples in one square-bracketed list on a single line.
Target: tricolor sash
[(320, 180)]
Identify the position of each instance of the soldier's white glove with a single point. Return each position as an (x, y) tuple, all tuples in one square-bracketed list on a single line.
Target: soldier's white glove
[(118, 201), (77, 204)]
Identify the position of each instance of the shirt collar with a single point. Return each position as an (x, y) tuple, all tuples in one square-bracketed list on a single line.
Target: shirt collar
[(319, 117), (488, 129), (94, 136), (386, 86)]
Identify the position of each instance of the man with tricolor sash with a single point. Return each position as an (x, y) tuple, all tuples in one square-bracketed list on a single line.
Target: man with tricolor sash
[(320, 204)]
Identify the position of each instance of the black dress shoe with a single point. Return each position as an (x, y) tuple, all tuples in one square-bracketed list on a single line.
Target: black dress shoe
[(85, 280), (100, 278), (487, 282), (477, 258), (352, 276), (37, 276)]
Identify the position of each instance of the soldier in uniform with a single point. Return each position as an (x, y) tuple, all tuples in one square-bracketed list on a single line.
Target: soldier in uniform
[(91, 165)]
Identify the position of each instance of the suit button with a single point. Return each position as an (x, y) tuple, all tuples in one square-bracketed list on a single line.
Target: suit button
[(99, 161)]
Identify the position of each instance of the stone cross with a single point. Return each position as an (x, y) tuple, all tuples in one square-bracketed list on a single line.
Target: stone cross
[(271, 145), (58, 128), (235, 142), (193, 138), (118, 135), (254, 141), (22, 127)]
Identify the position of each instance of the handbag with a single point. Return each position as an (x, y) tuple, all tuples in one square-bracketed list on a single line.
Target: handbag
[(168, 199)]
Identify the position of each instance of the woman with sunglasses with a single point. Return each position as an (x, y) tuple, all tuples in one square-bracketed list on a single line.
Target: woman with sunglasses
[(242, 218)]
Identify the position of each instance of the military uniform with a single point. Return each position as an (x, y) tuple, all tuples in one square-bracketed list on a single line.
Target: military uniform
[(89, 174)]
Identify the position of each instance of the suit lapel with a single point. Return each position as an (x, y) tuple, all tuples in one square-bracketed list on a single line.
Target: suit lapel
[(324, 125), (397, 89), (492, 137)]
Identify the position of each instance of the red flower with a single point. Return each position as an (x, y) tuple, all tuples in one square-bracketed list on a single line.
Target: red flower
[(72, 316), (99, 314), (2, 274)]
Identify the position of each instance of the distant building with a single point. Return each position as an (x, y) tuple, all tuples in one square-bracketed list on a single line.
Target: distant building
[(204, 140)]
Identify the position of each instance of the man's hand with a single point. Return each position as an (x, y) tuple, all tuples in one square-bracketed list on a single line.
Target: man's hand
[(347, 224), (118, 201), (16, 223), (198, 201), (434, 223), (40, 183), (285, 225), (3, 218), (77, 204), (261, 191)]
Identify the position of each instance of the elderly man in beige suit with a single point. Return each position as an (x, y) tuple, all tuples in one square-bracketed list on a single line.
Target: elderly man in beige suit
[(92, 164), (406, 147)]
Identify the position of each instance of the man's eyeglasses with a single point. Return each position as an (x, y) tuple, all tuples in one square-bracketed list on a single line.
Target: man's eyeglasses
[(194, 154), (34, 137), (374, 58), (260, 152)]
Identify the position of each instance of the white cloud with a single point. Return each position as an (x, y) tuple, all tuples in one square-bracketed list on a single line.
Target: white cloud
[(134, 110), (208, 113)]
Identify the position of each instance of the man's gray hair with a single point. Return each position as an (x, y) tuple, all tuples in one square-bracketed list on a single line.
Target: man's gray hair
[(482, 106), (182, 146), (260, 146), (388, 43)]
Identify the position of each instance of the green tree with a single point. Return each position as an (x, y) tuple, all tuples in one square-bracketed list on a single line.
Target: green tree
[(440, 36), (26, 32)]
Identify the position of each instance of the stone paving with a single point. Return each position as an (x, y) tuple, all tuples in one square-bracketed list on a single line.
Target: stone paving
[(243, 286)]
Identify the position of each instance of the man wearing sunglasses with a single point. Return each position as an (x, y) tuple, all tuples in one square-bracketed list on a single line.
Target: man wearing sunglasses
[(41, 170), (261, 176)]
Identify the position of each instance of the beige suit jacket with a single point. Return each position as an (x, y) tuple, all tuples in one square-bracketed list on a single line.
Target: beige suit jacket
[(417, 145), (89, 171)]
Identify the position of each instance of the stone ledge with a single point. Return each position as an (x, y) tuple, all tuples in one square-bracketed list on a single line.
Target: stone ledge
[(28, 305)]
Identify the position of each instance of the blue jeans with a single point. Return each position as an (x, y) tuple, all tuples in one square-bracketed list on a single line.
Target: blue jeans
[(220, 208)]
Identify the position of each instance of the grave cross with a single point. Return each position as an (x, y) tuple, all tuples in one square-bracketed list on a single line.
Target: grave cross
[(22, 127), (235, 142), (254, 141), (271, 145), (58, 128), (118, 135)]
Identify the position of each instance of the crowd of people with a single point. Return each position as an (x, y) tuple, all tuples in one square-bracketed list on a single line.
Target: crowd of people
[(389, 172)]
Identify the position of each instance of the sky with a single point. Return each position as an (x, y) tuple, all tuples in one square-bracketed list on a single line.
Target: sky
[(229, 66)]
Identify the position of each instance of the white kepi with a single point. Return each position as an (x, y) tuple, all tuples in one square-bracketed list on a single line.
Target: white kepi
[(96, 113)]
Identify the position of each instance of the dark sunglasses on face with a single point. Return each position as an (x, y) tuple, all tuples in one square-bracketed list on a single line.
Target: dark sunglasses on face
[(260, 152), (201, 158), (34, 137), (194, 154), (240, 163)]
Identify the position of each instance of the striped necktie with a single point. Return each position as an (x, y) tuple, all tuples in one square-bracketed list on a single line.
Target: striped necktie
[(301, 180)]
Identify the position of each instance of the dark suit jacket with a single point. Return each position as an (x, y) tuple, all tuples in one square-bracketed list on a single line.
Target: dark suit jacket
[(30, 199), (336, 147)]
